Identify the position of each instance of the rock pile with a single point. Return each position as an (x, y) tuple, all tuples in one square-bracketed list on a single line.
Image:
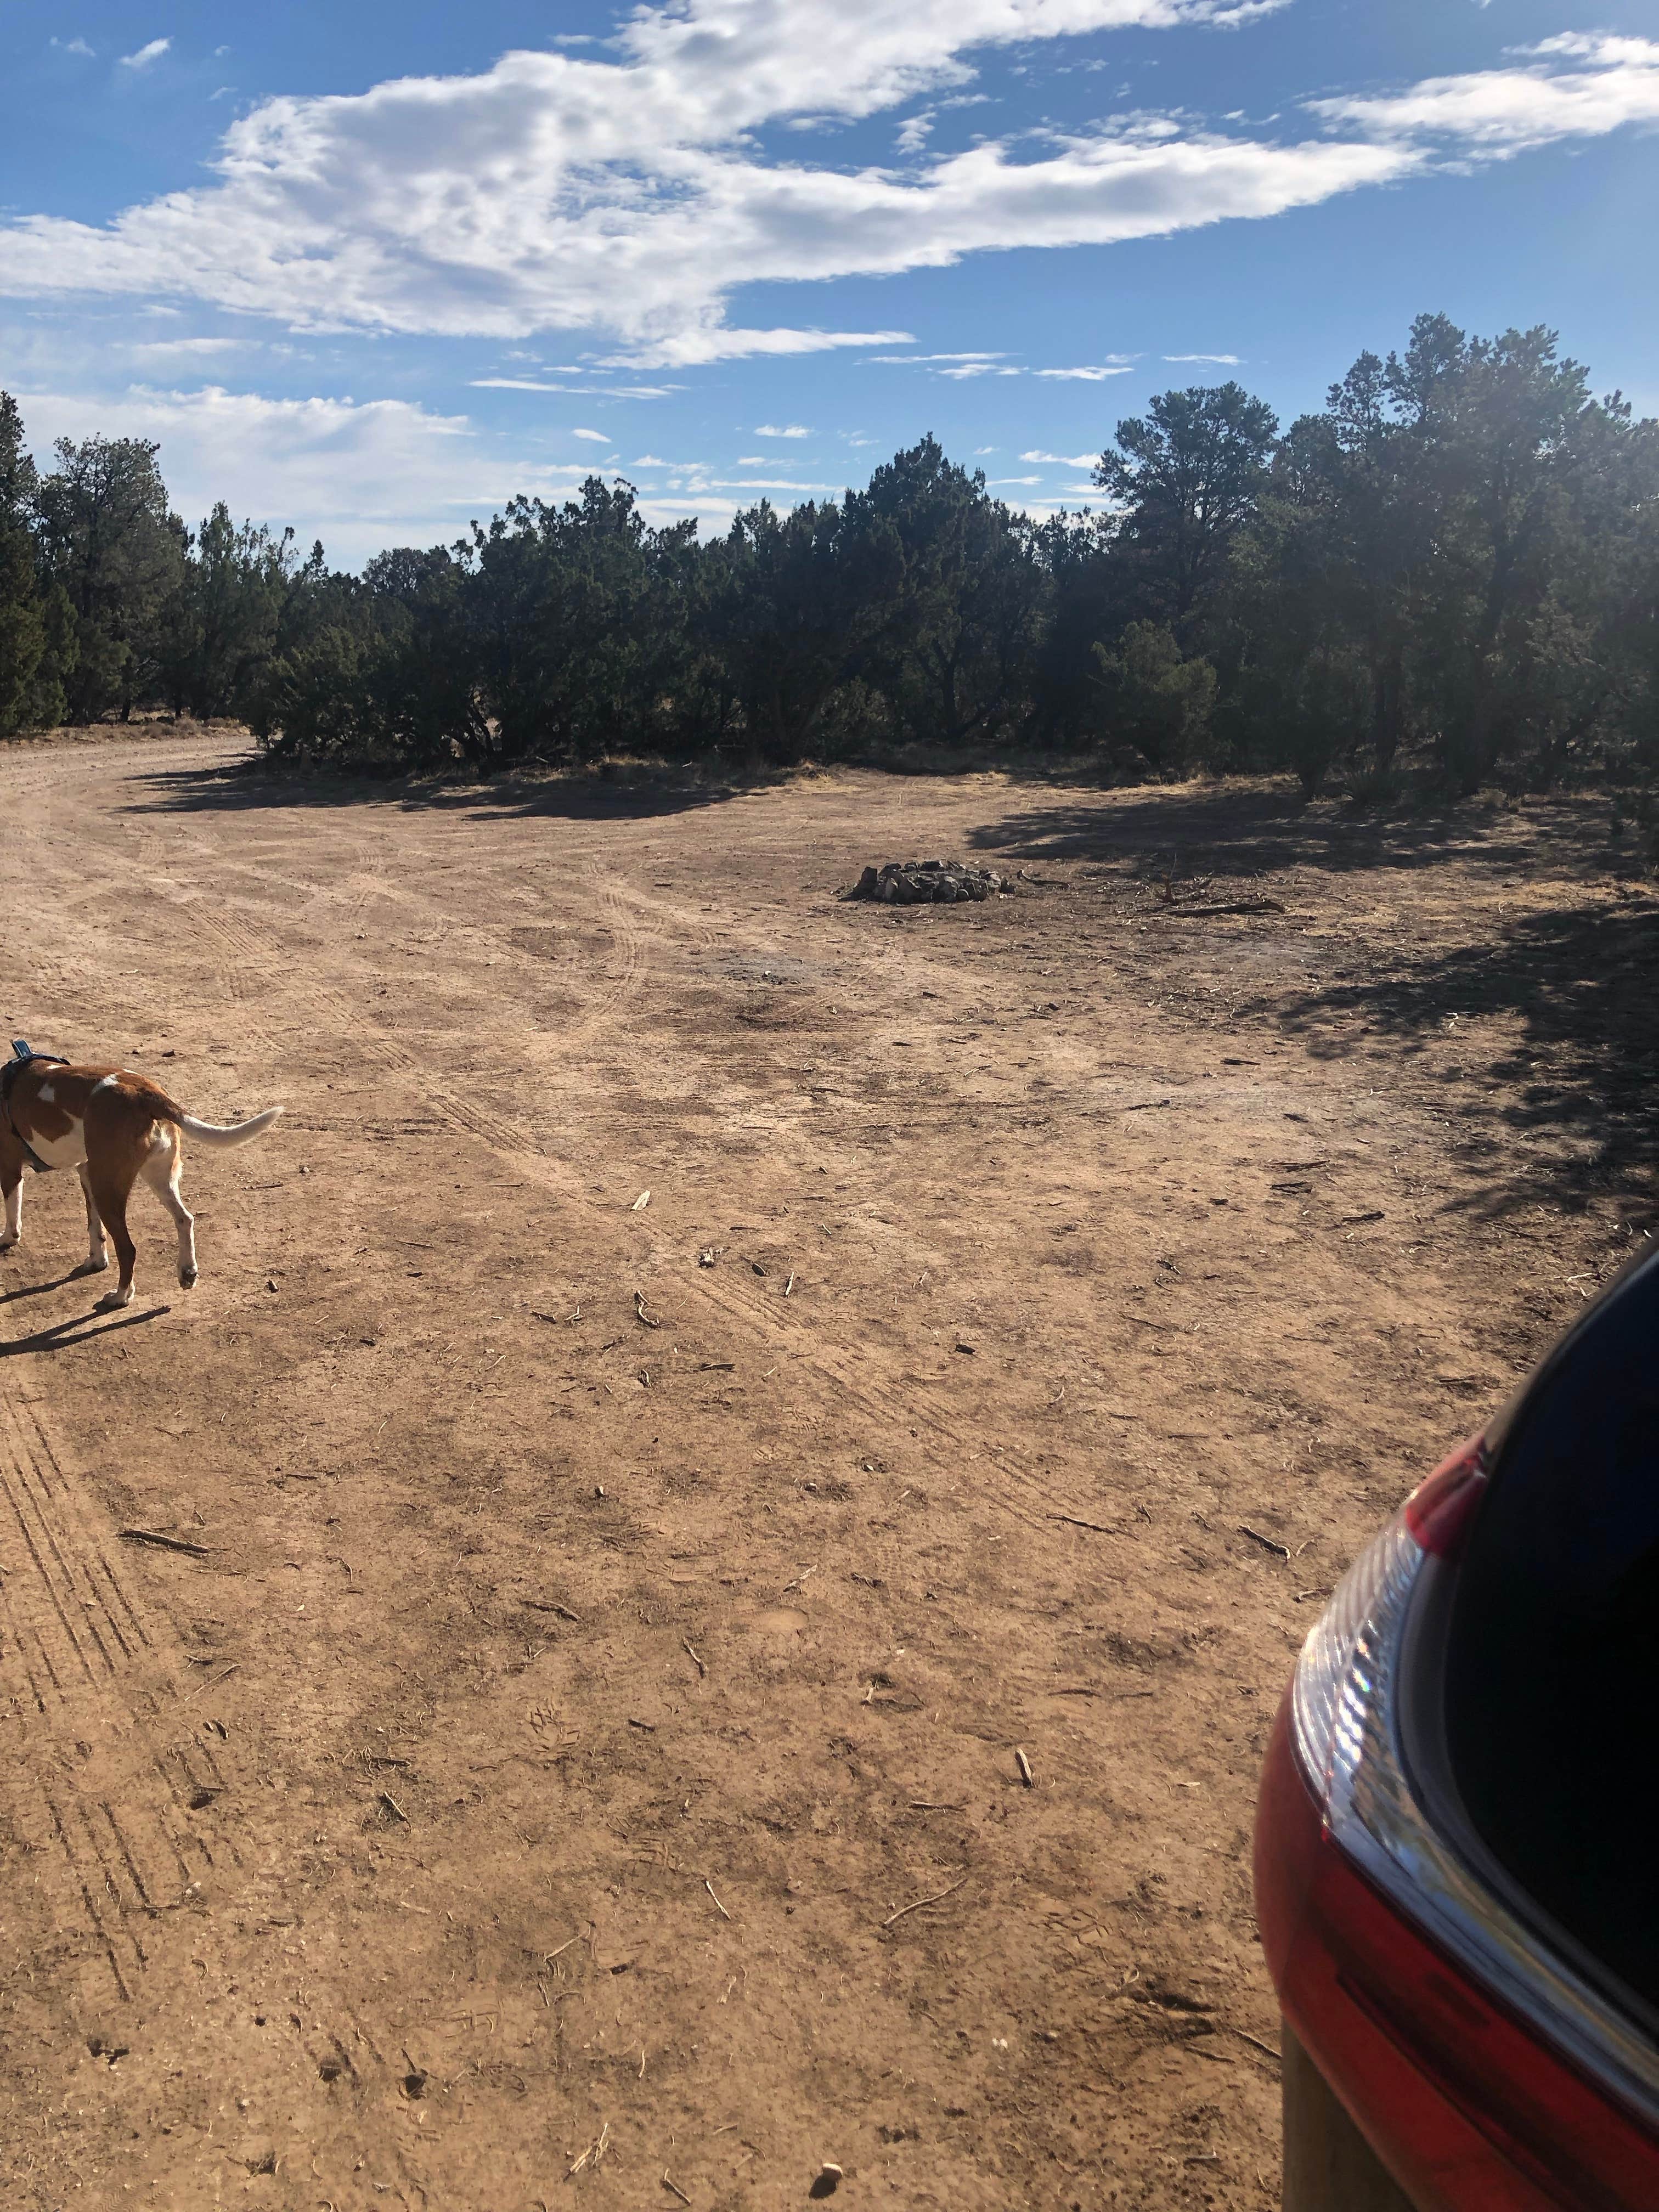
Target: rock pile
[(916, 883)]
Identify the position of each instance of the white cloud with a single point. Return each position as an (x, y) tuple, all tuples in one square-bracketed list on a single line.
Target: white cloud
[(1087, 376), (146, 55), (1498, 112), (597, 437), (359, 474), (788, 430), (628, 195), (905, 360), (1226, 359), (752, 460), (76, 47), (995, 481), (192, 345), (574, 390), (1064, 460)]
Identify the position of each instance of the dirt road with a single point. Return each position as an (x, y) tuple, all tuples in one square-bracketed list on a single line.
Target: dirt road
[(580, 1760)]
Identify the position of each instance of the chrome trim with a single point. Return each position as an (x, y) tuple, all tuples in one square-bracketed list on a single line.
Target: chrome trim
[(1374, 1815)]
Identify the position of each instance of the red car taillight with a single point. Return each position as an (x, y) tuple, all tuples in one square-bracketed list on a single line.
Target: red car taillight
[(1485, 2070)]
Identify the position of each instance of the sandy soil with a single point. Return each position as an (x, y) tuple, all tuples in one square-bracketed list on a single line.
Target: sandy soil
[(581, 1764)]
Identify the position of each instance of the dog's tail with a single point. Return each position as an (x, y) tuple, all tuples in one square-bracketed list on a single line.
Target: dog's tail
[(221, 1135)]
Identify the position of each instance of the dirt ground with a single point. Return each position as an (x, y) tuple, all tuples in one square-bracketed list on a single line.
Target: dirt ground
[(579, 1761)]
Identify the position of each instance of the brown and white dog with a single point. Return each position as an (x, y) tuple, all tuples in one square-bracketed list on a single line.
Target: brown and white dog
[(114, 1128)]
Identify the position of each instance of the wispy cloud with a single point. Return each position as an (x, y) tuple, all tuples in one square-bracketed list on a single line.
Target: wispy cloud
[(1064, 460), (594, 437), (147, 55), (1222, 360), (784, 430), (909, 360), (1096, 375), (573, 391), (76, 47), (192, 345)]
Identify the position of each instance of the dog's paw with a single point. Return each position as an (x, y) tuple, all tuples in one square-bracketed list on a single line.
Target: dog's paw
[(9, 1243), (112, 1301), (187, 1278)]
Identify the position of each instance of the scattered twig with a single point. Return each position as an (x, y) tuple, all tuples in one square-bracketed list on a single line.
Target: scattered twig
[(1268, 1544), (392, 1806), (592, 2156), (649, 1727), (692, 1655), (930, 1805), (235, 1667), (1230, 906), (641, 1313), (1266, 2048), (916, 1902), (1073, 1520), (1024, 1766), (640, 1202), (669, 2183), (549, 1605), (789, 1287), (719, 1907), (548, 1957), (164, 1543)]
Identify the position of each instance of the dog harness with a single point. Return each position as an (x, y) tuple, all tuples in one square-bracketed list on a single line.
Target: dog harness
[(21, 1057)]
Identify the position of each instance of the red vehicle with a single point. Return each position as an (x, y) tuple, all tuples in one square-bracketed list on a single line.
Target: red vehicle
[(1457, 1839)]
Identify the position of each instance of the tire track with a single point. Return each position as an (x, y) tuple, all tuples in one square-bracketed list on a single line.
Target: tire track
[(1024, 1495), (1021, 1491), (88, 1679)]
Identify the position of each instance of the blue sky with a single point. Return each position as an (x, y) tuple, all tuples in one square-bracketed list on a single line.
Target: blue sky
[(370, 270)]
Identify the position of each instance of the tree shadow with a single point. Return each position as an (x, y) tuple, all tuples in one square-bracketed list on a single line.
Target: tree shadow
[(261, 786), (1250, 829), (86, 1328), (1577, 1113)]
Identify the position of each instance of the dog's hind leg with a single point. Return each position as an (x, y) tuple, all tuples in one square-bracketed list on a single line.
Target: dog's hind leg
[(13, 1191), (111, 1187), (160, 1172), (97, 1257)]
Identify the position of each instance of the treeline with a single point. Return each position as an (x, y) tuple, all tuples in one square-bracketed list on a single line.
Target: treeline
[(1454, 563)]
